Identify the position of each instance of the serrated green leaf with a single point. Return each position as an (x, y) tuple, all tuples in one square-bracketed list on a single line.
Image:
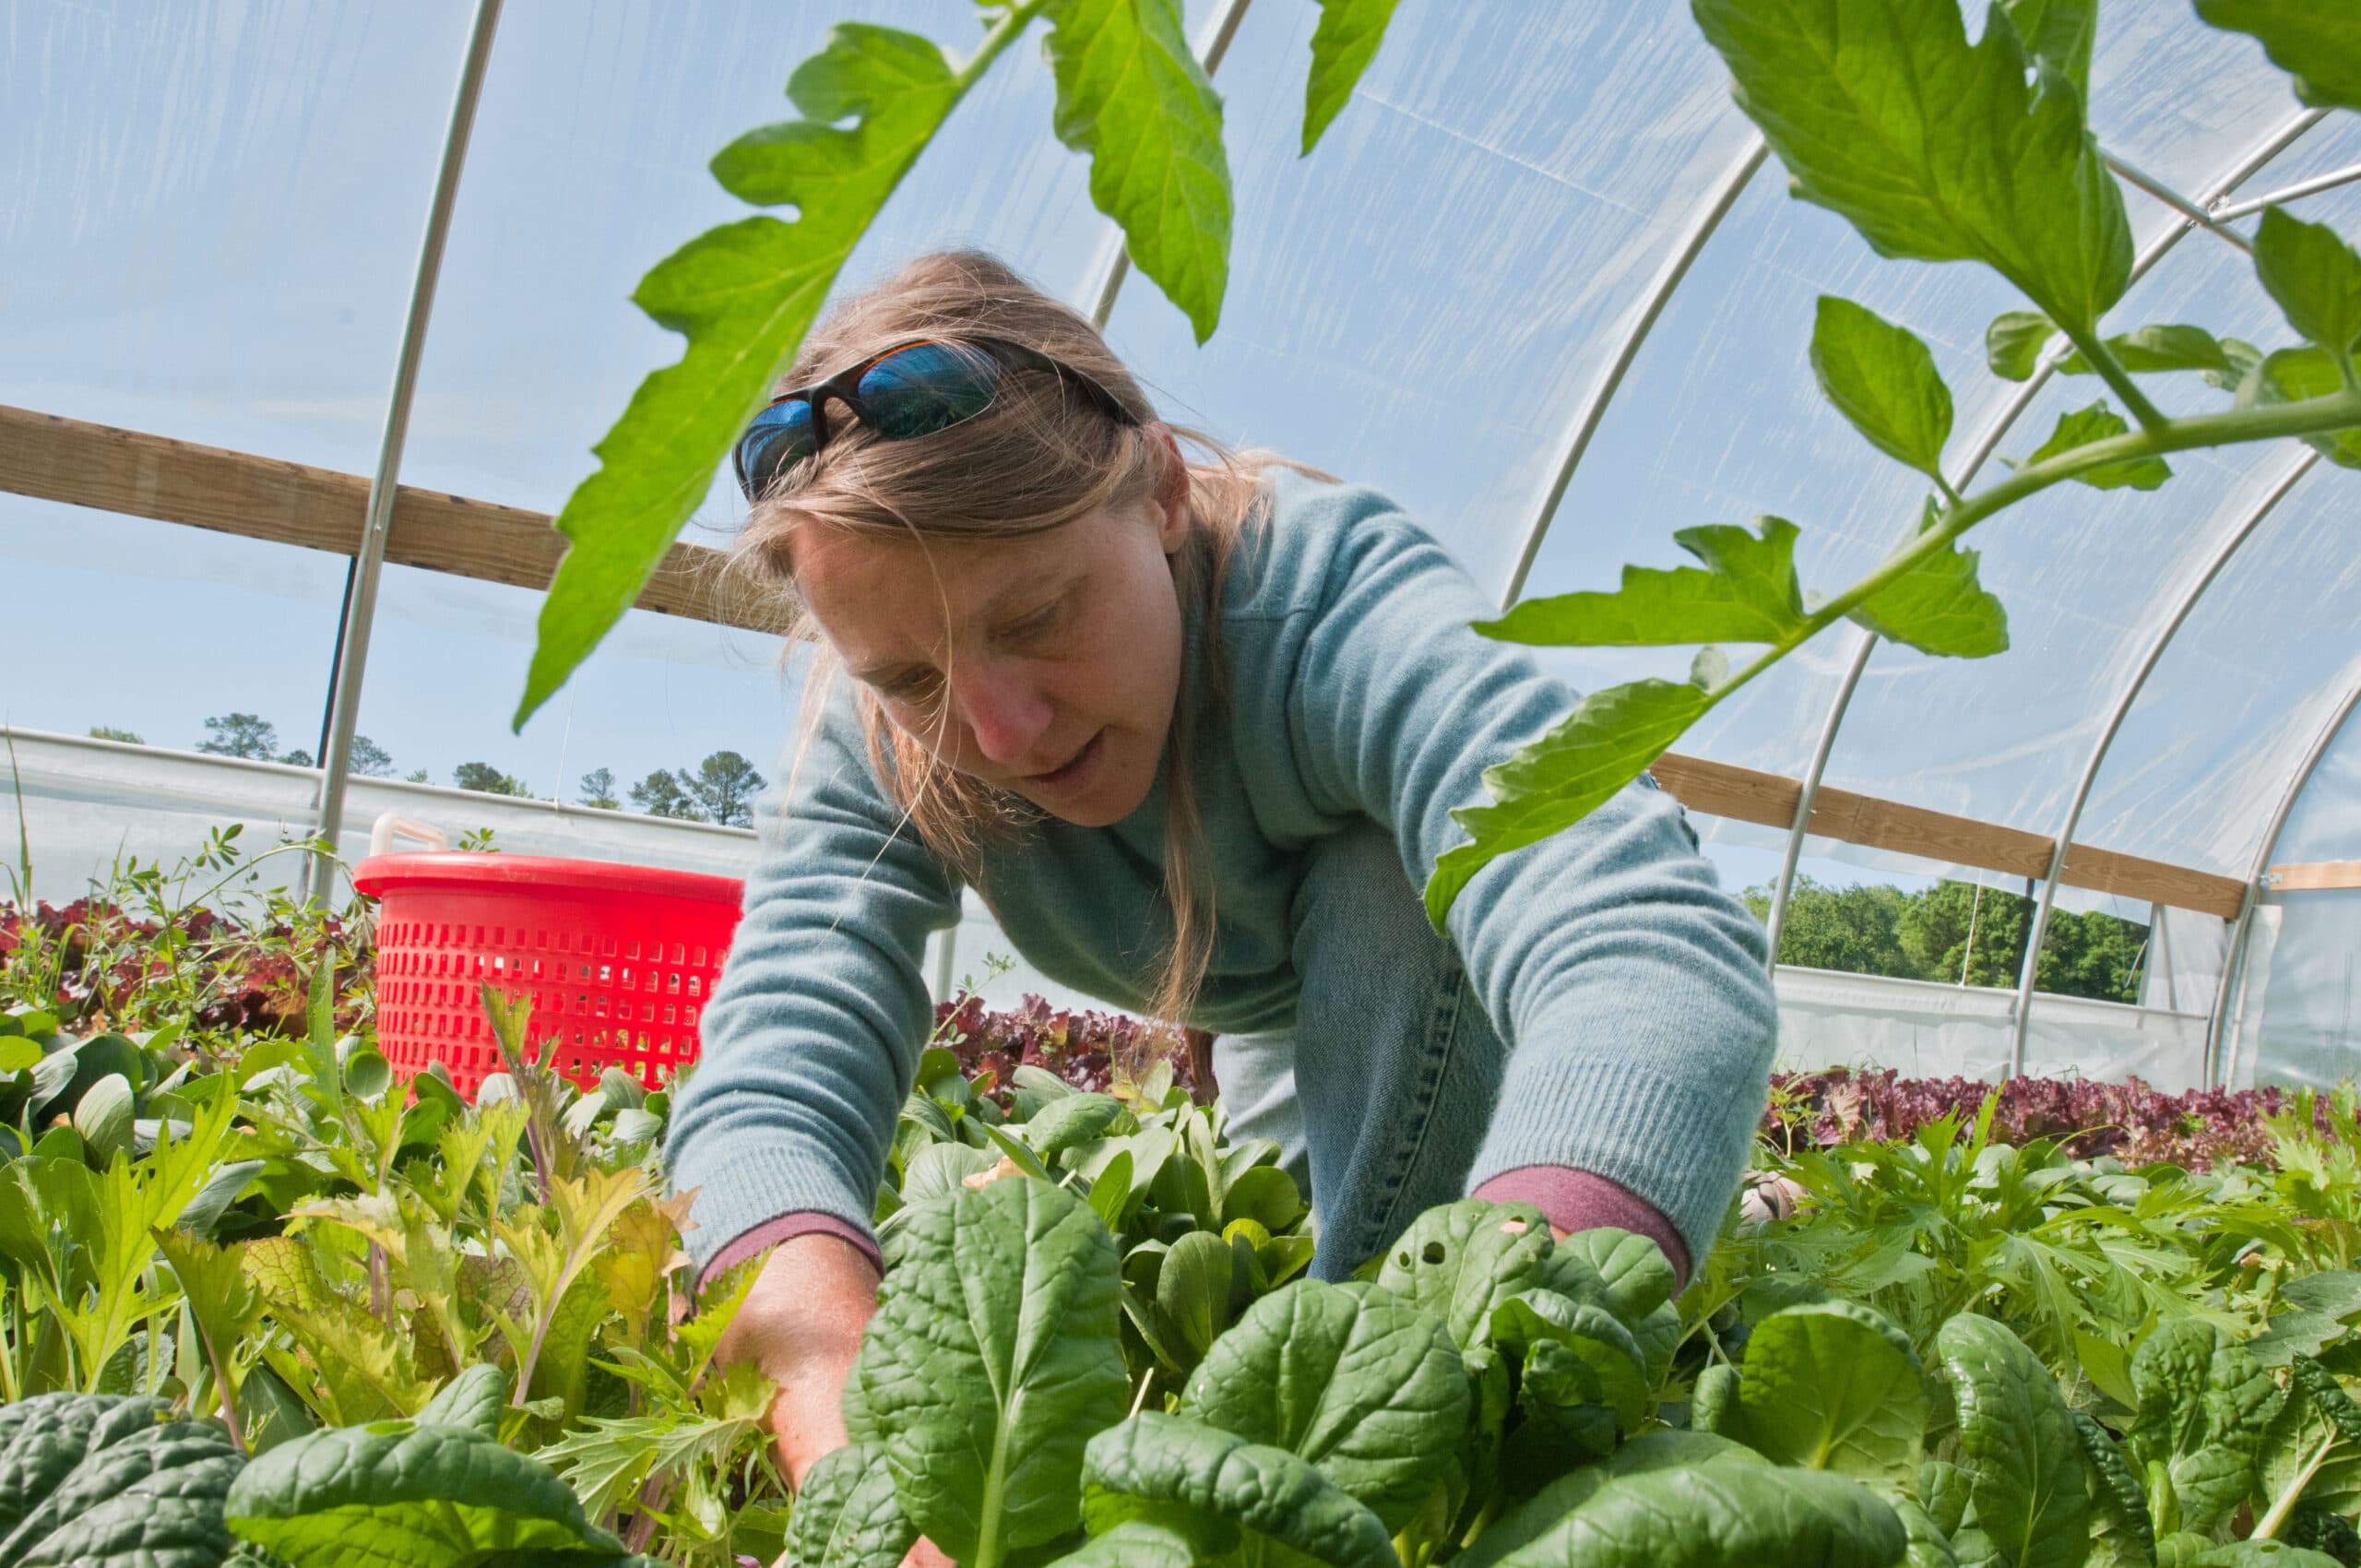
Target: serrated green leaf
[(1349, 1377), (2061, 33), (2153, 349), (2318, 45), (2012, 344), (1938, 606), (1934, 148), (743, 294), (2313, 275), (2291, 376), (2098, 423), (1606, 742), (1342, 46), (1133, 95), (1882, 379), (1746, 593)]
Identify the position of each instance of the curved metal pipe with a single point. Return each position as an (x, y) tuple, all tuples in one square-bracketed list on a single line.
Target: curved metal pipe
[(2124, 699), (1707, 218), (2300, 189), (362, 577), (2245, 169), (1116, 264), (2234, 959)]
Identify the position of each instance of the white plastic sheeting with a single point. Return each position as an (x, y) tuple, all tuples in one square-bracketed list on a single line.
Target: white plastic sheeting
[(213, 204)]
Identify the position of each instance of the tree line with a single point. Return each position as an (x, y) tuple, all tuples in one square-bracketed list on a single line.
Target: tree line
[(1955, 933)]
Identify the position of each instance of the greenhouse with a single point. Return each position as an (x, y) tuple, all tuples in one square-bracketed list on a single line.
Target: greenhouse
[(374, 427)]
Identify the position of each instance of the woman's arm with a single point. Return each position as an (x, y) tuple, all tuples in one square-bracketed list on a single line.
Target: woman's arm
[(1630, 988)]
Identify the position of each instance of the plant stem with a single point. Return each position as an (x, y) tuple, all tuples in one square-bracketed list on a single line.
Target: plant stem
[(2102, 360), (2268, 1528), (1004, 33), (2313, 416)]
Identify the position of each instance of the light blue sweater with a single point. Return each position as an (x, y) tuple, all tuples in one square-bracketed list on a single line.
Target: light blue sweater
[(1631, 989)]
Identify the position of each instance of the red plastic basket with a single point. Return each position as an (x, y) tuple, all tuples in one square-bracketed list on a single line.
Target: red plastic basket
[(618, 960)]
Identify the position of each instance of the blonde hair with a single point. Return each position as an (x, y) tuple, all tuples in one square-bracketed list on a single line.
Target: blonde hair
[(1040, 457)]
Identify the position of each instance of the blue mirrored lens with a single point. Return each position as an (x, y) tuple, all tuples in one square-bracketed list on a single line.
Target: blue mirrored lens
[(780, 435), (926, 387)]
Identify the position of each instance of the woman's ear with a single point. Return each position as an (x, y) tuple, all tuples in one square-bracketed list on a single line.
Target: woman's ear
[(1171, 488)]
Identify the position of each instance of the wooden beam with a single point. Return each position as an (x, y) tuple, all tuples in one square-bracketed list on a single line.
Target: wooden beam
[(1747, 794), (2316, 876), (237, 493)]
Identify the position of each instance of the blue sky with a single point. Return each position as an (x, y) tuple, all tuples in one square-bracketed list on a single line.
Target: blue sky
[(214, 208)]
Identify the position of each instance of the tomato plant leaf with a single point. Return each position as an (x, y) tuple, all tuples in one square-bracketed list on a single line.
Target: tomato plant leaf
[(992, 1358), (394, 1495), (1133, 95), (1155, 1464), (1552, 783), (2082, 426), (1938, 606), (2062, 32), (1349, 1377), (743, 294), (2013, 342), (1934, 148), (2313, 275), (2151, 349), (1342, 46), (2205, 1405), (2027, 1496), (2319, 45), (1831, 1386), (847, 1514), (1746, 592), (1882, 378), (2291, 376)]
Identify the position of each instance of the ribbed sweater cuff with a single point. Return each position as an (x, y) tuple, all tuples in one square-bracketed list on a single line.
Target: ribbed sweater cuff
[(763, 1236), (1579, 1200), (757, 1185)]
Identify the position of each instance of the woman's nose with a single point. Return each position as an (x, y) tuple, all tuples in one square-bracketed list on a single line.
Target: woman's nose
[(1005, 714)]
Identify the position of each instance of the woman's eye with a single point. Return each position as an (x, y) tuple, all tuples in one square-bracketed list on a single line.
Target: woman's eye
[(910, 687)]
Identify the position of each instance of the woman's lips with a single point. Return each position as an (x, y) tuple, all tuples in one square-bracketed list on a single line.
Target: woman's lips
[(1072, 775)]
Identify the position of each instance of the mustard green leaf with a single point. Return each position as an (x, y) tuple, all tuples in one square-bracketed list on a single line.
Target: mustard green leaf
[(1722, 1515), (1831, 1386), (2061, 33), (2082, 426), (2315, 276), (1881, 377), (2292, 375), (2158, 349), (743, 295), (2027, 1489), (1934, 148), (847, 1515), (2204, 1407), (1939, 607), (1606, 742), (2012, 344), (1154, 1466), (1746, 593), (1132, 94), (2318, 44), (1342, 46)]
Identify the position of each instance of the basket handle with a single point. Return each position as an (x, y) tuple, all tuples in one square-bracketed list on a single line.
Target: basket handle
[(392, 825)]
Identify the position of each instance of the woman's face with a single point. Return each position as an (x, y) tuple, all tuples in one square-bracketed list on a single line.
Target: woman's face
[(1046, 665)]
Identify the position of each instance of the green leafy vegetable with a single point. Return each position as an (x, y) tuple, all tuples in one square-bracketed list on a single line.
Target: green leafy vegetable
[(743, 294), (1746, 593), (1153, 1462), (1133, 95), (2318, 45), (991, 1359), (2026, 1494), (847, 1515), (1831, 1386), (100, 1481), (1722, 1517), (1935, 149), (2122, 1534), (2314, 276), (1342, 46), (2205, 1405), (1882, 378), (2098, 423)]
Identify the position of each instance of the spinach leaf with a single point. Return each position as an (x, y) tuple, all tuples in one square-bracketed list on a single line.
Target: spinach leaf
[(1831, 1386), (1153, 1463), (847, 1514), (2205, 1405), (1721, 1516), (1461, 1260), (2027, 1494), (1690, 1451), (2122, 1533), (993, 1359), (1604, 1348), (396, 1494), (1350, 1377), (98, 1481)]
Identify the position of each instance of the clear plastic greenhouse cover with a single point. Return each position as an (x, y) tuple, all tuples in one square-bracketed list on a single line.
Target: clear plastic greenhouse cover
[(213, 206)]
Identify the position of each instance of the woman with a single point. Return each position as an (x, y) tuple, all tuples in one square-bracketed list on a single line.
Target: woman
[(1195, 732)]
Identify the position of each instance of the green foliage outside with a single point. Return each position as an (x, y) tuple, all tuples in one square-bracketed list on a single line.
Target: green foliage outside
[(1955, 933)]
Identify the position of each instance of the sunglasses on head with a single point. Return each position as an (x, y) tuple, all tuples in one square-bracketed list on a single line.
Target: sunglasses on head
[(915, 388)]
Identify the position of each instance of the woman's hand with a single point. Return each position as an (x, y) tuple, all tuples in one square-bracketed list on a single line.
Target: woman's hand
[(801, 1323)]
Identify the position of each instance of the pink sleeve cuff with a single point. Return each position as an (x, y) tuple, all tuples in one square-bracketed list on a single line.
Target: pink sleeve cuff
[(1577, 1200), (771, 1232)]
